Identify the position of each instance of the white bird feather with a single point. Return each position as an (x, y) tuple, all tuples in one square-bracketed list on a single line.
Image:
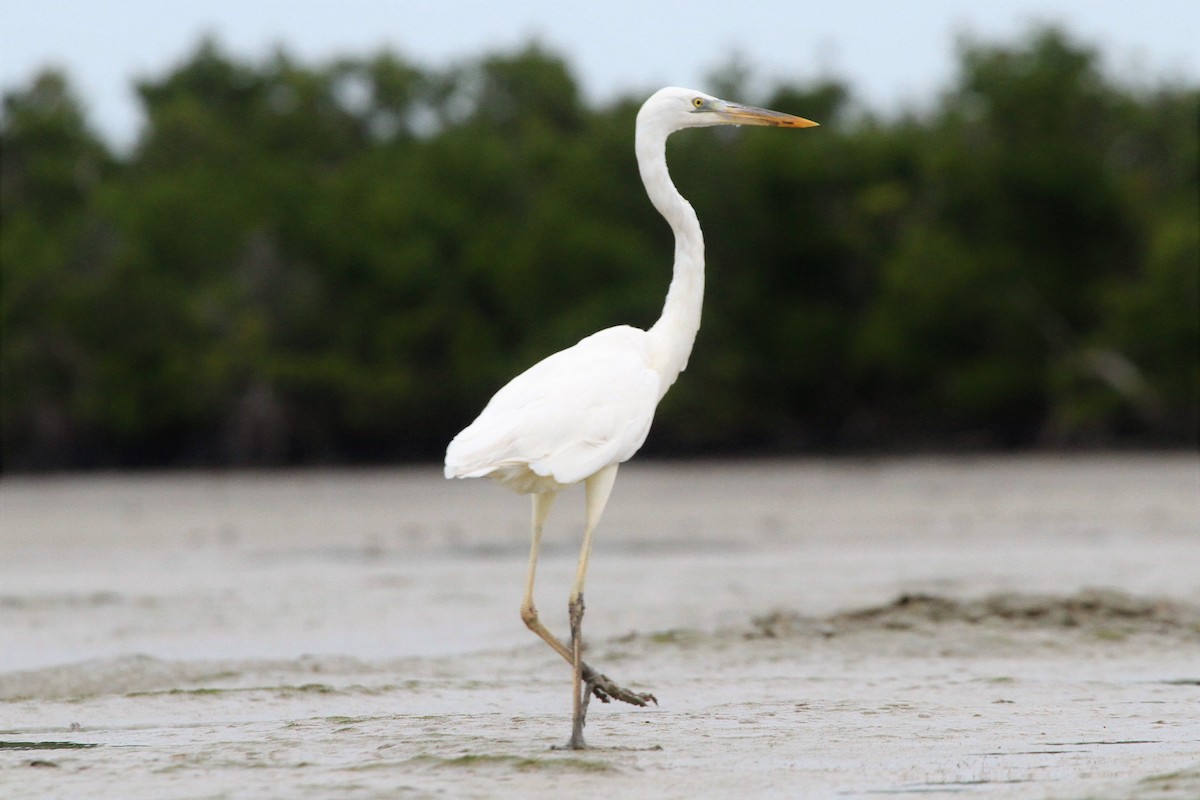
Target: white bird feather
[(565, 417)]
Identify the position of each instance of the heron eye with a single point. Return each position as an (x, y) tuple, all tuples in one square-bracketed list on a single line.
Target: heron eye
[(698, 102)]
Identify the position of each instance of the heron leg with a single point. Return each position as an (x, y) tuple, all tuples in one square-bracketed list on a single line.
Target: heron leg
[(597, 488), (599, 685), (542, 502)]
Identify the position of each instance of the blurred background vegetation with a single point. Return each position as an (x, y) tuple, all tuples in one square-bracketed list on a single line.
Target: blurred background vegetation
[(340, 262)]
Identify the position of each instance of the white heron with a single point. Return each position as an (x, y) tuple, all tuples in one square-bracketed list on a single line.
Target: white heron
[(578, 414)]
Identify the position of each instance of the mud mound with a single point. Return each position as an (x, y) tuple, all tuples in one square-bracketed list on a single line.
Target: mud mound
[(1100, 611)]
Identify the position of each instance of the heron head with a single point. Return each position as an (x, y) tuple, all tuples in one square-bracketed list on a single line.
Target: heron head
[(687, 108)]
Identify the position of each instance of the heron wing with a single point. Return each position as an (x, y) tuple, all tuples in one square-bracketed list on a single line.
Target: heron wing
[(567, 416)]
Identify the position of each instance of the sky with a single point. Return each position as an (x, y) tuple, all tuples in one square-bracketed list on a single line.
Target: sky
[(893, 54)]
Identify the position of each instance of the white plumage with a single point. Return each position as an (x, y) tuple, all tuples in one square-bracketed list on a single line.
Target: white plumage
[(578, 414), (565, 417)]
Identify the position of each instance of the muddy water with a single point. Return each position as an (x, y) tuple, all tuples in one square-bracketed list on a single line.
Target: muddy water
[(1019, 627)]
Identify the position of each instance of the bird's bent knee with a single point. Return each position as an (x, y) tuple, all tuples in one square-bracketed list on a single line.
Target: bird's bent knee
[(529, 616)]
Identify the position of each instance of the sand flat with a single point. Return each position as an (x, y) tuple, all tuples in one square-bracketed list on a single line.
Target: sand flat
[(989, 627)]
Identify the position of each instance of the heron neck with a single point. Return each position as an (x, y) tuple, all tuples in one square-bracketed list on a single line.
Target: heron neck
[(674, 333)]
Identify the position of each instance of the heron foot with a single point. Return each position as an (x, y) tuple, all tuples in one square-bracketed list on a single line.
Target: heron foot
[(606, 690), (589, 688), (600, 686), (576, 741)]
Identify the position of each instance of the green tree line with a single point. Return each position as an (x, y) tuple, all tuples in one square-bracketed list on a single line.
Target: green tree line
[(340, 262)]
